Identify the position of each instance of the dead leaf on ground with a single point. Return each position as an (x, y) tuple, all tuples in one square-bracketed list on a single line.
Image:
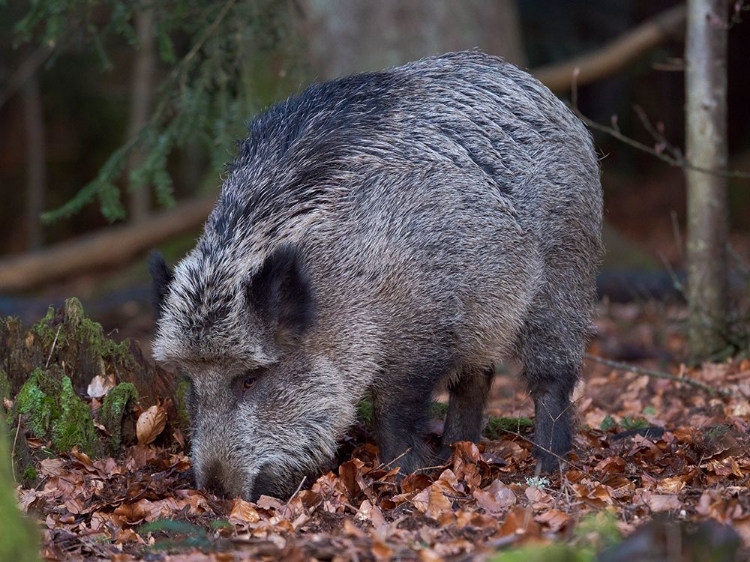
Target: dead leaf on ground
[(150, 424)]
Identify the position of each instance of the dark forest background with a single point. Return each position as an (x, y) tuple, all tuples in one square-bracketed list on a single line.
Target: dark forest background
[(79, 105)]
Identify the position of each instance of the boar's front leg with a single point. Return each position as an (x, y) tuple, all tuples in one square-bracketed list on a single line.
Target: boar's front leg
[(402, 413), (468, 396)]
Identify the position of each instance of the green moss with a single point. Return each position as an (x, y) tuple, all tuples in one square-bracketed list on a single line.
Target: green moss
[(598, 531), (365, 412), (608, 423), (716, 432), (76, 346), (180, 535), (75, 327), (181, 394), (496, 426), (218, 524), (633, 422), (4, 386), (74, 426), (36, 402), (552, 553), (30, 473), (19, 537), (45, 330), (115, 407), (52, 410), (93, 333), (593, 534)]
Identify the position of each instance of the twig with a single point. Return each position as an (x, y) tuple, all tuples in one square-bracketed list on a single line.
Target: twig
[(13, 450), (677, 234), (657, 136), (199, 44), (434, 467), (388, 465), (286, 505), (51, 349), (657, 374), (563, 460), (677, 162)]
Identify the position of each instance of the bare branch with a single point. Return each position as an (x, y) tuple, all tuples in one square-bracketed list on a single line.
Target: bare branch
[(27, 69), (657, 135), (657, 374), (677, 162)]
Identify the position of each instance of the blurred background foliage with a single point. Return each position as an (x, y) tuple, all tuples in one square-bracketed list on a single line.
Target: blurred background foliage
[(76, 148), (216, 68)]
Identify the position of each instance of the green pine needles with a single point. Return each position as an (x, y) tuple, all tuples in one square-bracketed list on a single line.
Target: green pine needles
[(220, 62)]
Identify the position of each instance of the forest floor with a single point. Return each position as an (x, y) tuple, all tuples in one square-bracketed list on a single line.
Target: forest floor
[(655, 461)]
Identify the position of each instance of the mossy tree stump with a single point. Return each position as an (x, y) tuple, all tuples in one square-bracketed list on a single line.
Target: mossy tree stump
[(65, 337), (46, 370)]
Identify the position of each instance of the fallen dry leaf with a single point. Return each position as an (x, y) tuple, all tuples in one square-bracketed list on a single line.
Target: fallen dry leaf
[(554, 519), (696, 467), (101, 385), (244, 511), (150, 424), (432, 502), (496, 498), (662, 502)]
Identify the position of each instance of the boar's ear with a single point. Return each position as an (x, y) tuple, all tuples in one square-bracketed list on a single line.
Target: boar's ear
[(282, 293), (161, 276)]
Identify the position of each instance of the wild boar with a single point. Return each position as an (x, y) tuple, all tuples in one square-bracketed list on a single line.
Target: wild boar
[(380, 235)]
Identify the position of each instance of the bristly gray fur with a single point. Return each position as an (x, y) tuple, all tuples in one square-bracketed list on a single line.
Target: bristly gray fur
[(435, 218)]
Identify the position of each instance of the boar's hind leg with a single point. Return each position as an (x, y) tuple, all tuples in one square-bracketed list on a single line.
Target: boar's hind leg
[(551, 354), (468, 395), (401, 418)]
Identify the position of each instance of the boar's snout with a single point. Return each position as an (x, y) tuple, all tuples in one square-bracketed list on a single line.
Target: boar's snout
[(266, 483), (219, 478), (212, 481)]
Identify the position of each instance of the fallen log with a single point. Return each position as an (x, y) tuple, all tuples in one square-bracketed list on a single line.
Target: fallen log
[(614, 56), (112, 247)]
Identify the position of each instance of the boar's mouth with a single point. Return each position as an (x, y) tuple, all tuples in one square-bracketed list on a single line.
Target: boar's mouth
[(268, 483), (274, 481)]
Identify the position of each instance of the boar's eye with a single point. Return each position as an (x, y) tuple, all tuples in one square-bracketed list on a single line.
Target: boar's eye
[(245, 382)]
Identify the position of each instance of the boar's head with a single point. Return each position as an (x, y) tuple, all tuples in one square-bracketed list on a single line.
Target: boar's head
[(266, 411)]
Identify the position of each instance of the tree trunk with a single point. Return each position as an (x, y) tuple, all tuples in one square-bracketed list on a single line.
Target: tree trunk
[(706, 147), (36, 176), (405, 31), (143, 86)]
